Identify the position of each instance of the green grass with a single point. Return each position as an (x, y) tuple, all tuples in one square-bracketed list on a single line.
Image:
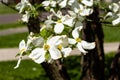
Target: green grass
[(11, 25), (12, 40), (111, 33), (6, 10), (29, 70)]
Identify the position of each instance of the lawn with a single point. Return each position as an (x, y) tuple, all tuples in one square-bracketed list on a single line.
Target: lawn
[(11, 25), (111, 33), (6, 10), (12, 40), (29, 70)]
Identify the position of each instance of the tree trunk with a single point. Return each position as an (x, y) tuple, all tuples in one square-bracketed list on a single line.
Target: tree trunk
[(93, 62), (115, 67), (55, 70)]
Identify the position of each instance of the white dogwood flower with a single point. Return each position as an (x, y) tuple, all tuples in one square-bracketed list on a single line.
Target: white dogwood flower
[(49, 47), (22, 48), (116, 21), (51, 3), (63, 46), (22, 5), (83, 10), (62, 21), (63, 3), (81, 44), (25, 17), (87, 2), (114, 7)]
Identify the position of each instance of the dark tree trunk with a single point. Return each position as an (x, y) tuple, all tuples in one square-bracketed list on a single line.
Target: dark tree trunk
[(115, 67), (55, 70), (93, 62)]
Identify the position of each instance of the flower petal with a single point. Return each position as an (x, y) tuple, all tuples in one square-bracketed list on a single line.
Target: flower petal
[(71, 41), (79, 46), (116, 21), (63, 3), (55, 53), (75, 33), (38, 55), (22, 45), (88, 45), (66, 51), (58, 28), (87, 2)]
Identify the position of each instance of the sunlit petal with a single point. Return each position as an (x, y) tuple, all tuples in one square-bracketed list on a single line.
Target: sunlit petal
[(66, 51), (55, 53), (88, 45), (71, 41), (58, 28), (79, 45), (38, 55)]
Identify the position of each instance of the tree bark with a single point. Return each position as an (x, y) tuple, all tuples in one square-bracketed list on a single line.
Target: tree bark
[(93, 62), (115, 67)]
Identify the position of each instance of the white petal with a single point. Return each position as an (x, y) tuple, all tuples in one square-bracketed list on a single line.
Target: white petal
[(75, 33), (38, 55), (18, 63), (86, 12), (64, 41), (116, 21), (46, 3), (87, 2), (88, 45), (66, 51), (53, 3), (54, 40), (71, 41), (63, 4), (70, 2), (22, 45), (79, 46), (68, 21), (58, 28), (55, 53), (114, 7), (109, 14), (38, 41)]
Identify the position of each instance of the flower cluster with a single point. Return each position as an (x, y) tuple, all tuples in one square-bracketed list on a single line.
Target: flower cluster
[(60, 33), (114, 13)]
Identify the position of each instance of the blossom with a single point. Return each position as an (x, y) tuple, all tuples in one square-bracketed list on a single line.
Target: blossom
[(62, 21), (63, 46), (87, 2), (81, 44), (49, 47), (83, 10), (63, 3), (116, 21), (25, 17), (22, 47), (51, 3), (114, 7), (22, 5)]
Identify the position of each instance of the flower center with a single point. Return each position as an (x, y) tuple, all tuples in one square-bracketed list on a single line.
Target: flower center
[(46, 47), (59, 21), (22, 51), (78, 40), (59, 47)]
